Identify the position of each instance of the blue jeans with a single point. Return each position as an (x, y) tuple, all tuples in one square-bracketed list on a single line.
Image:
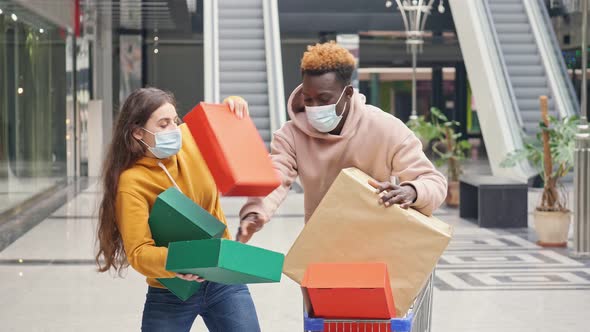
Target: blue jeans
[(224, 308)]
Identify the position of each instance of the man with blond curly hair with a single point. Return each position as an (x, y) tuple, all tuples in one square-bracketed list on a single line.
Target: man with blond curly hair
[(331, 128)]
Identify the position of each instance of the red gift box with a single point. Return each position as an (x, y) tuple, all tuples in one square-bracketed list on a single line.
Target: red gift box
[(233, 151), (348, 291)]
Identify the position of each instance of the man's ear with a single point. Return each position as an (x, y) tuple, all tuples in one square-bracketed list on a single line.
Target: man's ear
[(349, 91), (297, 104)]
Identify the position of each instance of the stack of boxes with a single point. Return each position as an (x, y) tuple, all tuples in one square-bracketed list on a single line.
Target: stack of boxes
[(240, 165), (354, 254), (175, 217), (355, 281)]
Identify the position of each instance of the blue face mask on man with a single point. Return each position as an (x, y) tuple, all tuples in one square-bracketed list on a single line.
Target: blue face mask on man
[(168, 143), (324, 118)]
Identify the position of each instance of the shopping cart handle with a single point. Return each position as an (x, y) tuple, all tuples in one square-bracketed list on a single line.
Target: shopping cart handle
[(402, 324), (312, 324)]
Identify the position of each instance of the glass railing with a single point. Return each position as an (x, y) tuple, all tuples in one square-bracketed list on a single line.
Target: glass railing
[(504, 85), (571, 6), (559, 81)]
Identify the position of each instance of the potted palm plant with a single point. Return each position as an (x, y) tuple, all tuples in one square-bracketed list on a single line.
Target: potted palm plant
[(447, 145), (426, 131), (551, 152), (452, 150)]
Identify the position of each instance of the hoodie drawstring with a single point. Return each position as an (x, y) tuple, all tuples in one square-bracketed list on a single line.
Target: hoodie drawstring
[(169, 176)]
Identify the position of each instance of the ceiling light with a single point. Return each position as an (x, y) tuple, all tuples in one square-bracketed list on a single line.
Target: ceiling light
[(388, 4), (441, 7), (192, 6), (14, 17)]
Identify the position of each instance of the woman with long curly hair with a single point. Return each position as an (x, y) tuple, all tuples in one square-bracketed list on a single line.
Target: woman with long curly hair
[(149, 153)]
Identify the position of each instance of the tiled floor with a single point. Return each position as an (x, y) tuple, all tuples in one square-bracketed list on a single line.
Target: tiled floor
[(488, 280), (14, 191)]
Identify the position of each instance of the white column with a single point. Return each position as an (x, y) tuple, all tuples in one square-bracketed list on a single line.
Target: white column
[(103, 71)]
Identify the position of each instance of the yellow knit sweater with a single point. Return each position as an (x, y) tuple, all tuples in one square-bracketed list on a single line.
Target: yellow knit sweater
[(138, 188)]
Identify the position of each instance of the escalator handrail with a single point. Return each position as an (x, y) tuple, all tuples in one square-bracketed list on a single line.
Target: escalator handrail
[(504, 71), (274, 65), (560, 83)]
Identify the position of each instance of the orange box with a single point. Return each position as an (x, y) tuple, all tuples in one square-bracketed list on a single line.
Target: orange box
[(233, 151), (348, 290)]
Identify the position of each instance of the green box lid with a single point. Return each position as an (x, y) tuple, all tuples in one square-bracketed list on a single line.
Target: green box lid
[(225, 261), (175, 217), (183, 289)]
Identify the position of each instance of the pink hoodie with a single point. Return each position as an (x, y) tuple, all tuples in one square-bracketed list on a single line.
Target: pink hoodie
[(371, 140)]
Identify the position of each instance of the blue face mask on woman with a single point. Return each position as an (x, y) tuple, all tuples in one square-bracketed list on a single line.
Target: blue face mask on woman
[(168, 143)]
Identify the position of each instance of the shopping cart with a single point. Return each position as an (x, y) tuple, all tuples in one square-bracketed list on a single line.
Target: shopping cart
[(416, 320)]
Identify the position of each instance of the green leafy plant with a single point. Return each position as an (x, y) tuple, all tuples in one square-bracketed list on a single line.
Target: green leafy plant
[(447, 145), (426, 131), (552, 166)]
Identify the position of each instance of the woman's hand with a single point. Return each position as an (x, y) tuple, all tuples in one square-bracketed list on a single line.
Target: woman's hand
[(237, 105), (390, 194), (190, 277)]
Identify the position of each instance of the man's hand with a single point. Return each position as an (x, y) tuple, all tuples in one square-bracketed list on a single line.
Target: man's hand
[(390, 194), (251, 224)]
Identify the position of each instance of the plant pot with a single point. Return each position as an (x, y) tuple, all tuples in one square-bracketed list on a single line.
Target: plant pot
[(552, 228), (453, 194), (425, 144)]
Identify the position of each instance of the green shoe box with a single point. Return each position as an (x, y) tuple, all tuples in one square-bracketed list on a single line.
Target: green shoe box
[(225, 261), (175, 217)]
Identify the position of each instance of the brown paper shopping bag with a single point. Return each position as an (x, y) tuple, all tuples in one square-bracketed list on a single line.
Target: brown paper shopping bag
[(350, 225)]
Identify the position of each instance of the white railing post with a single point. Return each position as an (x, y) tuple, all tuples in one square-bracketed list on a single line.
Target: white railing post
[(274, 64), (211, 50)]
